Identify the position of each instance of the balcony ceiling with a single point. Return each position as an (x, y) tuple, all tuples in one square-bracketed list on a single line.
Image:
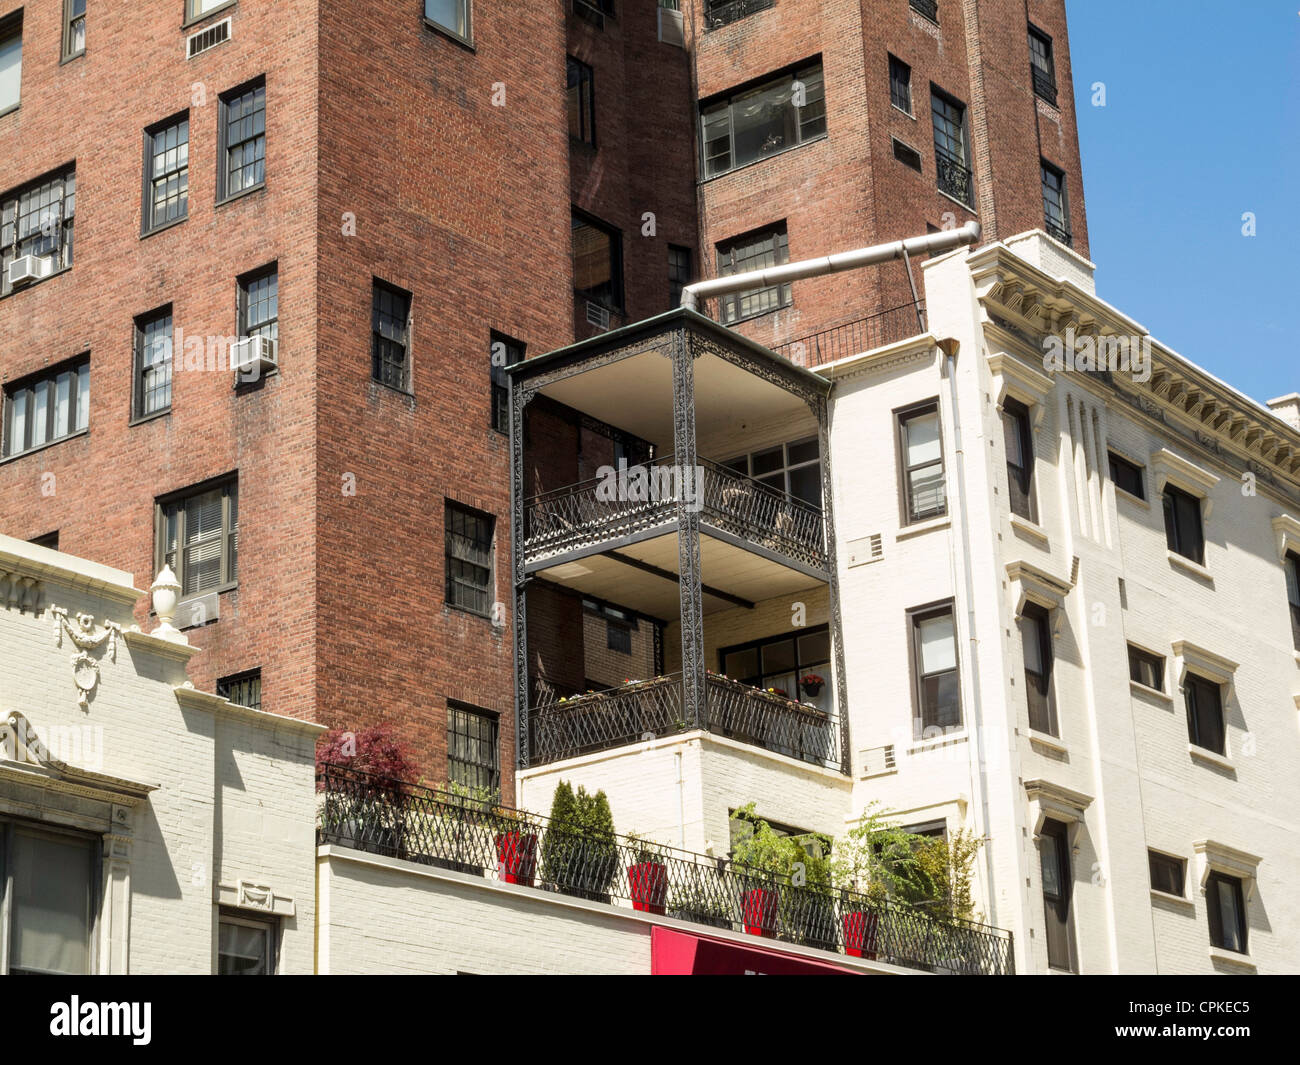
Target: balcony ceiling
[(726, 568), (636, 395)]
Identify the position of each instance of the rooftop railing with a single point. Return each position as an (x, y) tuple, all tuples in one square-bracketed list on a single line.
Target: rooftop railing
[(431, 827), (853, 338)]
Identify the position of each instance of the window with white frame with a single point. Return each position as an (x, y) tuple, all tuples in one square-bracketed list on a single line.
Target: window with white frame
[(245, 946), (48, 900), (46, 407)]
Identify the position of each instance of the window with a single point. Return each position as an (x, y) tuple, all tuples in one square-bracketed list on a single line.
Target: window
[(597, 261), (900, 84), (618, 637), (48, 900), (1056, 208), (719, 13), (928, 8), (934, 658), (921, 454), (582, 102), (1146, 669), (243, 689), (472, 755), (245, 947), (794, 469), (1036, 640), (241, 145), (50, 540), (47, 407), (153, 363), (594, 11), (1225, 905), (679, 273), (166, 173), (906, 154), (469, 559), (1205, 726), (1058, 892), (11, 61), (1183, 531), (37, 220), (503, 351), (1042, 66), (951, 154), (74, 28), (1127, 476), (390, 335), (1292, 564), (1019, 442), (197, 9), (753, 251), (1166, 873), (450, 15), (259, 303), (786, 111), (785, 663), (198, 536)]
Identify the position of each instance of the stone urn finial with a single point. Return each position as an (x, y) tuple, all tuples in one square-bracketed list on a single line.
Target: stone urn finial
[(166, 591)]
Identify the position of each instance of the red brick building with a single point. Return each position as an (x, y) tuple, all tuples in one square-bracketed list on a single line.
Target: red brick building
[(386, 190)]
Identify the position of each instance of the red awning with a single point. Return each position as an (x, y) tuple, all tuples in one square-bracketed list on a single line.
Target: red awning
[(681, 954)]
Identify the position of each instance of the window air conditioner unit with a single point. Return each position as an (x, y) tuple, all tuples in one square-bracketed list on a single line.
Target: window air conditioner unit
[(597, 315), (254, 353), (28, 268), (671, 27)]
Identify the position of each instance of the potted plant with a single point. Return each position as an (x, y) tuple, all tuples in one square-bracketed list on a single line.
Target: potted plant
[(516, 847), (580, 852), (695, 902), (647, 876), (812, 684), (762, 859)]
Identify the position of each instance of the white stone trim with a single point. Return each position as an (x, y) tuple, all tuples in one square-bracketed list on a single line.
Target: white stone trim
[(1057, 802), (1215, 857), (1017, 380), (1287, 530), (1166, 466), (249, 897), (1188, 656)]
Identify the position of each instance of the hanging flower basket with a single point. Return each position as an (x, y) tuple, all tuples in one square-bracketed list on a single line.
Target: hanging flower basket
[(812, 684)]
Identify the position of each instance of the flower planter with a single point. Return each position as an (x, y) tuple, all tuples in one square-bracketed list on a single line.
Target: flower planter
[(649, 881), (760, 910), (860, 934), (516, 857), (812, 690)]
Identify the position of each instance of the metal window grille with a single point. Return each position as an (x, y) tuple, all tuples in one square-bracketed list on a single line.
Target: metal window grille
[(473, 758), (754, 251), (243, 689)]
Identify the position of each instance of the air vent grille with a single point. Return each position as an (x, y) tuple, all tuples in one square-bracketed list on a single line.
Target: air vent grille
[(205, 39)]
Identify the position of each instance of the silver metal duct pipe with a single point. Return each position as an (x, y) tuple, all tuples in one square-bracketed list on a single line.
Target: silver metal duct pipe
[(929, 244)]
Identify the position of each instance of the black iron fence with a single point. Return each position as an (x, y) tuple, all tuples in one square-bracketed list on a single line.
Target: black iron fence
[(719, 13), (955, 179), (431, 827), (853, 338)]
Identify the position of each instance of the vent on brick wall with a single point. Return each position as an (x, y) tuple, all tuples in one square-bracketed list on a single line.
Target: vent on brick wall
[(878, 760), (866, 550), (597, 315), (198, 43)]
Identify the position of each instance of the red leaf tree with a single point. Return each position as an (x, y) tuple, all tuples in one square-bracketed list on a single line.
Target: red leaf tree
[(376, 749)]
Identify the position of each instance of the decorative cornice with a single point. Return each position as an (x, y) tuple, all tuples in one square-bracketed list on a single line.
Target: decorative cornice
[(85, 669), (1287, 530), (189, 696), (1205, 662), (23, 752), (881, 360), (257, 898), (1219, 857)]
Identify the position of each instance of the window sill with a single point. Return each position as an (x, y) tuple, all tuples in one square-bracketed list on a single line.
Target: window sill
[(907, 114), (165, 226), (1050, 103), (152, 416), (1204, 754), (240, 194), (27, 288), (1231, 957), (69, 58), (1030, 529), (42, 447), (964, 206), (11, 110), (925, 746), (1194, 568), (392, 388), (442, 31), (1046, 739), (1164, 896), (189, 22), (766, 158), (1130, 498), (1138, 688), (920, 528)]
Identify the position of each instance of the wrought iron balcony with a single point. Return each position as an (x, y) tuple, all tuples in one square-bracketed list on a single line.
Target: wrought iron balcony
[(430, 827), (853, 338), (719, 13), (1044, 84), (599, 511), (649, 709), (1059, 232), (955, 179)]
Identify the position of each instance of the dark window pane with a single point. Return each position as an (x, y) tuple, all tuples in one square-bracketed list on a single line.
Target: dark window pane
[(472, 741), (1183, 530), (1225, 906), (469, 559), (389, 332), (1205, 726), (1127, 476), (597, 262), (754, 251), (1146, 668), (1166, 873), (900, 84)]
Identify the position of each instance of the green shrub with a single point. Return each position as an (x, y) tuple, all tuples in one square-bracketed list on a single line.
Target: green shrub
[(579, 850)]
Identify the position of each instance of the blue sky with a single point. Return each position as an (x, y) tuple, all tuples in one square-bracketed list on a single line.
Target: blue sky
[(1201, 125)]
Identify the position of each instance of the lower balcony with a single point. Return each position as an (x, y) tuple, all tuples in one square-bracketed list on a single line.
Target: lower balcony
[(429, 827), (648, 709)]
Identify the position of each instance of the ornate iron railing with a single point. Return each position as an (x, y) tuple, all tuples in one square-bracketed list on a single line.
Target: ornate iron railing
[(600, 510), (955, 179), (1044, 84), (853, 338), (1059, 232), (719, 13), (601, 720), (645, 710), (431, 827)]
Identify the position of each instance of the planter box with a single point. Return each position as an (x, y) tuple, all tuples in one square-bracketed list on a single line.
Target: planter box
[(760, 911), (649, 883), (516, 857), (860, 934)]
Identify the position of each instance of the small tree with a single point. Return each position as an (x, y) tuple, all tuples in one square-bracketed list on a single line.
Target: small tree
[(580, 852), (376, 749), (948, 864), (882, 861)]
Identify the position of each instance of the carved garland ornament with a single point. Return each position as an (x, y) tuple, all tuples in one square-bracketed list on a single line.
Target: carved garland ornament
[(81, 631)]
